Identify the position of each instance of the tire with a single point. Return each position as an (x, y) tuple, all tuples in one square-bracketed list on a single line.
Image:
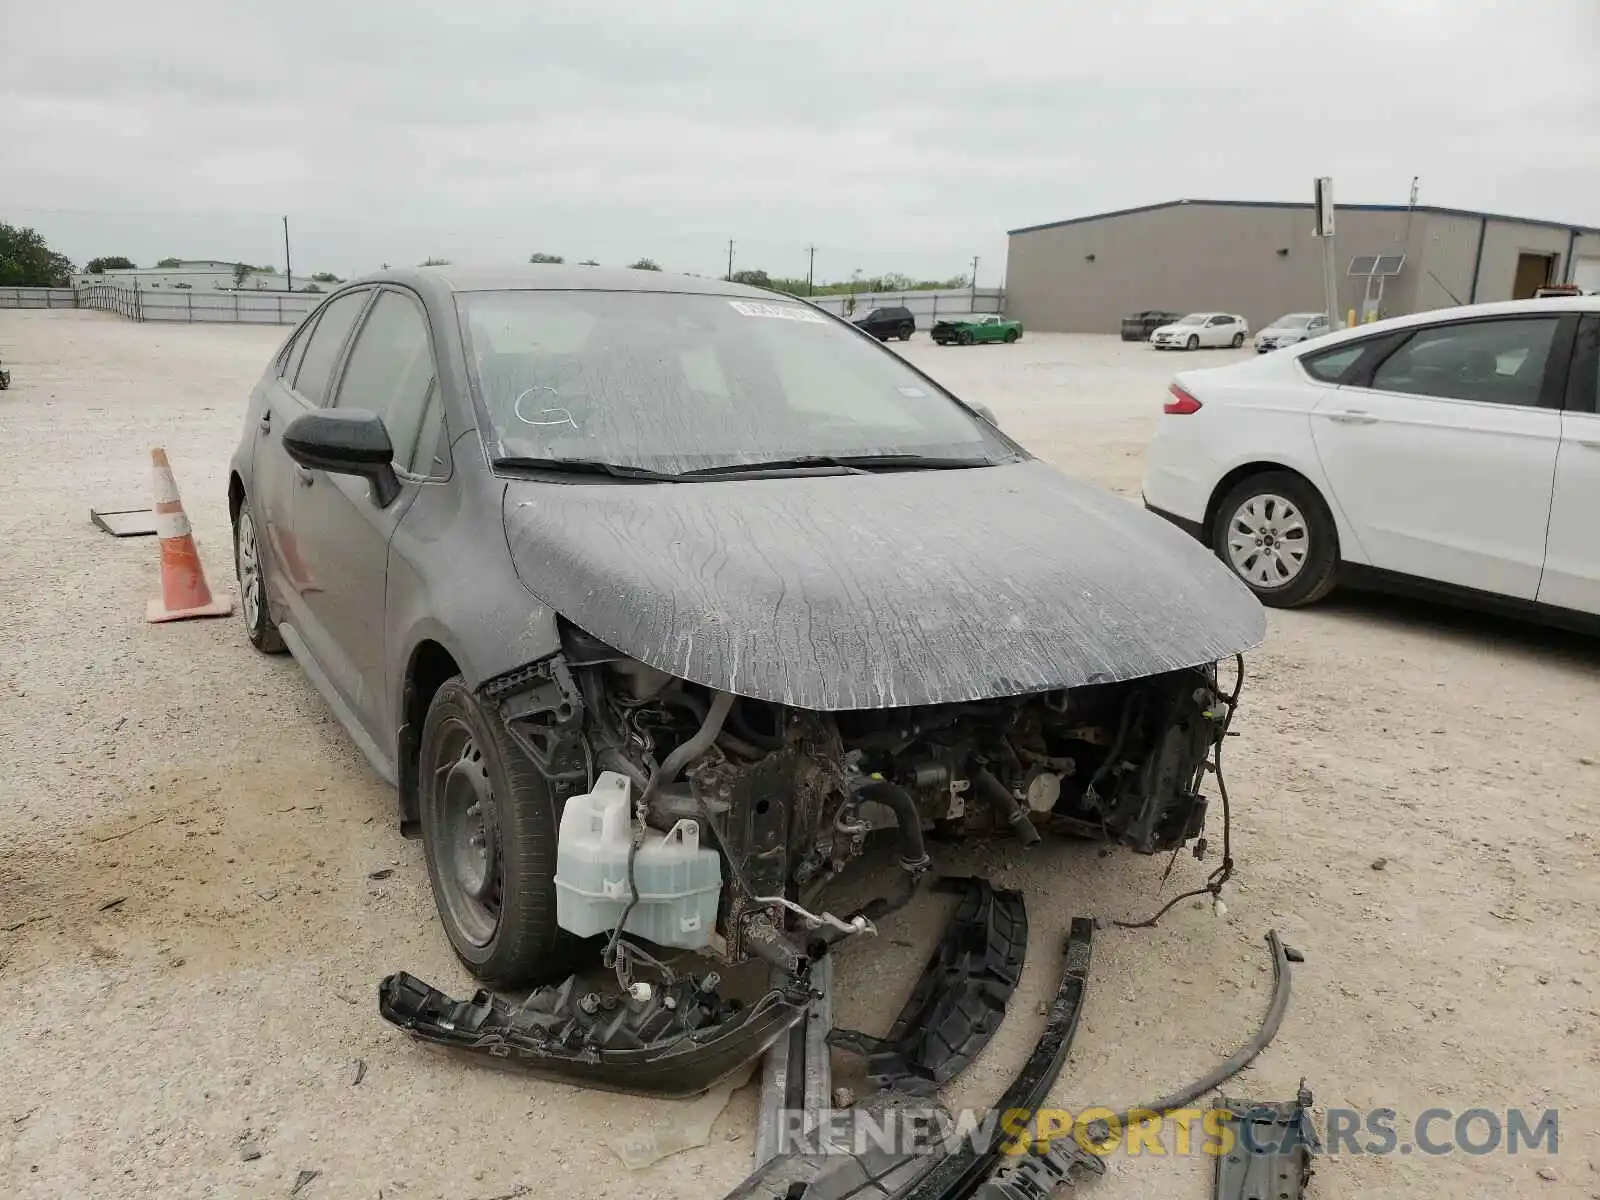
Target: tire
[(259, 625), (906, 336), (1011, 336), (1281, 501), (1238, 340), (1193, 343), (497, 903), (964, 338)]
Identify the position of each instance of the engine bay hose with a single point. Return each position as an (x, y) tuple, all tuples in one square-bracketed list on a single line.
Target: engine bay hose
[(686, 753), (1003, 800), (913, 852)]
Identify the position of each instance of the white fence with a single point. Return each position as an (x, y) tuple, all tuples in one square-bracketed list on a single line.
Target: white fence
[(26, 297), (249, 307), (926, 307), (179, 304)]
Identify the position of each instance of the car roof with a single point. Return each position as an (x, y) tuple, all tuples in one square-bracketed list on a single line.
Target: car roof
[(1464, 312), (442, 282)]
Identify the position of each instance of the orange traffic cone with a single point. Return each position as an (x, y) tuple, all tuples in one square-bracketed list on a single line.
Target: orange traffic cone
[(184, 592)]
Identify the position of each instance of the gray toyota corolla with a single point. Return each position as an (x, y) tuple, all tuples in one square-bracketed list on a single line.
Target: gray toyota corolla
[(653, 596)]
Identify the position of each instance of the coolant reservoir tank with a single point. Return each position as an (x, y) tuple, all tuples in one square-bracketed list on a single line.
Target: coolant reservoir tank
[(679, 881)]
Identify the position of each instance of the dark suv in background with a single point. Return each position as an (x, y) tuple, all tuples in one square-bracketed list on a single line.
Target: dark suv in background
[(886, 323), (1137, 327)]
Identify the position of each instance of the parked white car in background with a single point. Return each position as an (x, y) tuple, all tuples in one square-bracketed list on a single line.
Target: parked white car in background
[(1202, 329), (1290, 330), (1453, 453)]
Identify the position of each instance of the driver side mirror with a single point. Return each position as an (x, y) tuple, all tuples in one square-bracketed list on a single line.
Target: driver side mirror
[(345, 441)]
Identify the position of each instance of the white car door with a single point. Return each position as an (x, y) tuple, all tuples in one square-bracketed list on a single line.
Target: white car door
[(1572, 550), (1442, 461), (1217, 332)]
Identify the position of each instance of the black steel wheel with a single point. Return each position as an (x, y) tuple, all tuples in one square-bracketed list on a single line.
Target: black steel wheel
[(965, 337), (489, 835), (1011, 336), (259, 626)]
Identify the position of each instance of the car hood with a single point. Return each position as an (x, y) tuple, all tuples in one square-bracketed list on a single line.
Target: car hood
[(879, 590), (1282, 331), (1176, 329)]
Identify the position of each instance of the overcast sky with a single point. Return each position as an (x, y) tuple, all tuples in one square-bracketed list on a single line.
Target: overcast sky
[(906, 136)]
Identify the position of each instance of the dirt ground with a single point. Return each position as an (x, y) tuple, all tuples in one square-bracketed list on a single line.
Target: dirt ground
[(201, 883)]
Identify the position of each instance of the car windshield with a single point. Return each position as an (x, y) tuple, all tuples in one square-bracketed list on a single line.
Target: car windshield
[(668, 382), (1194, 319), (1293, 321)]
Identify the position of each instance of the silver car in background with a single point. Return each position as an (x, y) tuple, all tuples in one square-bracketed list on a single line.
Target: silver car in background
[(1291, 329)]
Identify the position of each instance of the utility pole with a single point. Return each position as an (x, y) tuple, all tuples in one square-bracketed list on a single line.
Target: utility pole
[(1324, 230), (974, 281), (730, 260), (811, 267), (288, 267)]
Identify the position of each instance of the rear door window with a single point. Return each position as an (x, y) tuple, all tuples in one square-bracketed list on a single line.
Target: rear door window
[(1487, 362), (327, 341)]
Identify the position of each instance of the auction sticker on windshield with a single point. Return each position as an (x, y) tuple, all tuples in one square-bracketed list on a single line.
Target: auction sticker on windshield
[(783, 312)]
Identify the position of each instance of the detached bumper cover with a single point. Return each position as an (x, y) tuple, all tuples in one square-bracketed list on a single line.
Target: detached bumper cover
[(879, 1174), (960, 999), (652, 1049)]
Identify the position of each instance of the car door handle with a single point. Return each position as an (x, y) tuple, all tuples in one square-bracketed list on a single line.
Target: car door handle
[(304, 477), (266, 420), (1353, 416)]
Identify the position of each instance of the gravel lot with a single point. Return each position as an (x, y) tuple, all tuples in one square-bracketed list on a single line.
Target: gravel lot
[(194, 922)]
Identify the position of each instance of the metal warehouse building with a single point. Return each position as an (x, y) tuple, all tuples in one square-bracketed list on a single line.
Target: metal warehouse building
[(1262, 259)]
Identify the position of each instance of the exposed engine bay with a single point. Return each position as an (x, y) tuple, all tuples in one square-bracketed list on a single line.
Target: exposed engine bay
[(677, 791)]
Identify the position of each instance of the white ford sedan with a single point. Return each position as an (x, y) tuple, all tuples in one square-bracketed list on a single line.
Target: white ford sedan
[(1202, 329), (1453, 453)]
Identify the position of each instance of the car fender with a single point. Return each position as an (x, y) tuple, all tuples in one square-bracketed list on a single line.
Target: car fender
[(1250, 449), (453, 533)]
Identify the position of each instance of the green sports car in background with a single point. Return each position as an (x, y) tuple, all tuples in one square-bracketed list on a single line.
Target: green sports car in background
[(976, 327)]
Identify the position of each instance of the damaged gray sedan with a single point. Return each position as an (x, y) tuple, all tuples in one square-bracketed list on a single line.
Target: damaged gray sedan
[(653, 597)]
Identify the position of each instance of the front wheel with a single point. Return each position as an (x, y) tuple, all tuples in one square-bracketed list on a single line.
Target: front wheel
[(1238, 340), (1276, 533), (964, 337), (1011, 336), (1193, 343), (489, 835), (259, 626), (906, 336)]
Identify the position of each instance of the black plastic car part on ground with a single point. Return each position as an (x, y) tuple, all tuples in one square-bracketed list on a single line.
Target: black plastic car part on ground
[(680, 1040), (959, 1000), (990, 1173), (899, 1173), (1272, 1147)]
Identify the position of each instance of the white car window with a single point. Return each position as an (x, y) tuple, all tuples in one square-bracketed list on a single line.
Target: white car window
[(1493, 362)]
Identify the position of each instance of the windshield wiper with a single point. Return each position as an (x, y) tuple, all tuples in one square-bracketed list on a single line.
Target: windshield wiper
[(854, 464), (583, 466)]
